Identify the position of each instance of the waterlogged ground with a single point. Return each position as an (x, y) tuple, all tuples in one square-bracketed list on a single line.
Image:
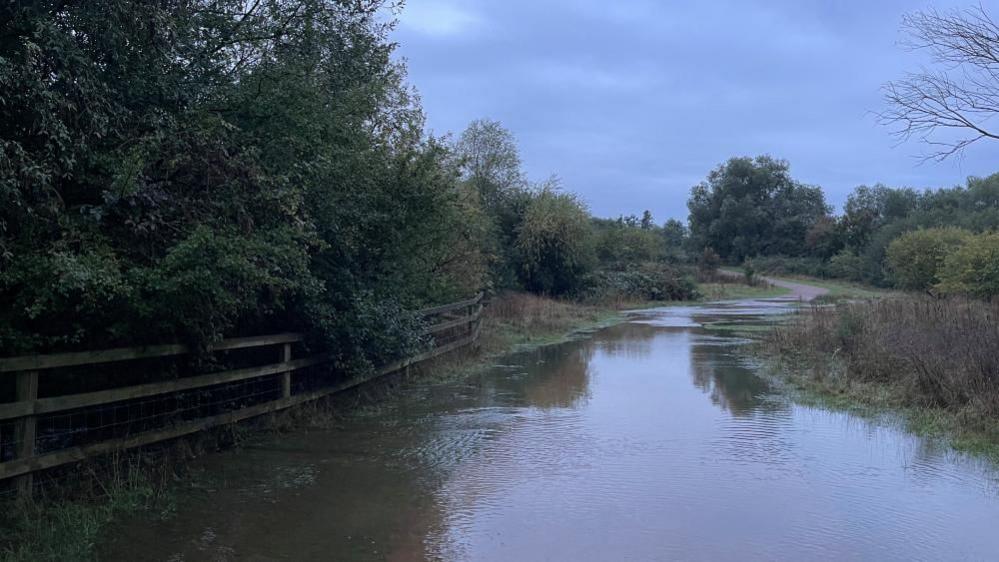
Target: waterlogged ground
[(651, 440)]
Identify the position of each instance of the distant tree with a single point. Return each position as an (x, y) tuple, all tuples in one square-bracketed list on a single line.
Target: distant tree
[(825, 237), (490, 160), (917, 258), (490, 169), (647, 222), (973, 269), (952, 108), (868, 209), (675, 232), (709, 261), (675, 237), (752, 206)]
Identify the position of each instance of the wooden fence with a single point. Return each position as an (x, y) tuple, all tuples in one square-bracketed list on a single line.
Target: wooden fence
[(456, 325)]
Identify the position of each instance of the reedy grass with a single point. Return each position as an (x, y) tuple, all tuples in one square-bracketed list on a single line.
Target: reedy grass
[(934, 361)]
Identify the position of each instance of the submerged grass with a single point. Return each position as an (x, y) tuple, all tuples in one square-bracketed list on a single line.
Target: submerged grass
[(68, 525)]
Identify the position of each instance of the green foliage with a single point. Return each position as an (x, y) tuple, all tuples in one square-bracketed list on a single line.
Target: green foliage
[(201, 169), (783, 265), (554, 242), (676, 237), (973, 269), (750, 207), (645, 282), (917, 258), (620, 244), (709, 261), (846, 265), (490, 170)]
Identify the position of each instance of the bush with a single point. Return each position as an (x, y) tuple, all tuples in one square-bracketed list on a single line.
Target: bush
[(846, 265), (554, 243), (915, 259), (782, 265), (709, 261), (647, 282), (973, 269)]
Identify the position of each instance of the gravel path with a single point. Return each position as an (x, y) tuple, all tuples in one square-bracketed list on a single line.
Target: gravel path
[(799, 291)]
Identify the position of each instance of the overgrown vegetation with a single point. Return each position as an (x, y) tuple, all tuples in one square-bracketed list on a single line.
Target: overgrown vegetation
[(920, 353), (200, 169)]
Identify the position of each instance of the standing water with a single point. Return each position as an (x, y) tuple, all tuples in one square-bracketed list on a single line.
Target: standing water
[(651, 440)]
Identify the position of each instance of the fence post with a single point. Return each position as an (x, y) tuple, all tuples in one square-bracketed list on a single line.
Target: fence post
[(27, 391), (286, 376)]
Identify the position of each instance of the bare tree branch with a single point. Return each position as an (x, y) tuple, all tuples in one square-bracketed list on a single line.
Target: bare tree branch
[(951, 109)]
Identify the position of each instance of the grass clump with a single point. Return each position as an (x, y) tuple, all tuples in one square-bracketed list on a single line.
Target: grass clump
[(67, 523), (935, 360)]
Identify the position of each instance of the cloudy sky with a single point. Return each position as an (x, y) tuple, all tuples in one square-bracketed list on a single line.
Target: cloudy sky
[(631, 102)]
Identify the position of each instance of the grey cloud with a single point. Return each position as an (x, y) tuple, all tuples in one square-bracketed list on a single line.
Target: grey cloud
[(633, 102)]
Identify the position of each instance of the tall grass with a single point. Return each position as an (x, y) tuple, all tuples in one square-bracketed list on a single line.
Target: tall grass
[(931, 353), (527, 316)]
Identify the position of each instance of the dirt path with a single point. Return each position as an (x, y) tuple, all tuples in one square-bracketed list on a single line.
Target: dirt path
[(799, 291)]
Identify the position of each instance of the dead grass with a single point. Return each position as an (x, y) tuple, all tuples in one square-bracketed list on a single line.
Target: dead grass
[(935, 355), (513, 320)]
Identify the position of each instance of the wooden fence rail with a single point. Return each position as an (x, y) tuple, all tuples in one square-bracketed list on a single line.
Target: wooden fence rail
[(28, 406)]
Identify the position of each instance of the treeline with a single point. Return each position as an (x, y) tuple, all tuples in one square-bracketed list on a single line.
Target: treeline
[(195, 169), (199, 169), (541, 238), (940, 241)]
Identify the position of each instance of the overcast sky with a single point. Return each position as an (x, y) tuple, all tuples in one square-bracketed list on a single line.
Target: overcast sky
[(632, 102)]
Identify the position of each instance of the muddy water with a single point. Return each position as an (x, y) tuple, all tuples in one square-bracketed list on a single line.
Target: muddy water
[(652, 440)]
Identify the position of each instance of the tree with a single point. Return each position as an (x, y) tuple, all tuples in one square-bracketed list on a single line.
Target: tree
[(868, 209), (973, 269), (917, 258), (953, 108), (647, 222), (554, 242), (490, 169), (490, 161), (675, 237), (752, 206), (197, 169)]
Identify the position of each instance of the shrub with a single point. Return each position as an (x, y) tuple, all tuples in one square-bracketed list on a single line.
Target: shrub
[(846, 265), (647, 282), (554, 243), (915, 259), (973, 269), (709, 261), (782, 265)]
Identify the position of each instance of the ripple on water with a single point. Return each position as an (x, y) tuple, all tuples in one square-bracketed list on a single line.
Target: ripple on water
[(649, 441)]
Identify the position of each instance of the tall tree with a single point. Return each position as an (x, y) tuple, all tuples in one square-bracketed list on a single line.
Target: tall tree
[(752, 206), (490, 167)]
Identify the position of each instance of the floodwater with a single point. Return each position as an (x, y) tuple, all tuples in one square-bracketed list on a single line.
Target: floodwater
[(651, 440)]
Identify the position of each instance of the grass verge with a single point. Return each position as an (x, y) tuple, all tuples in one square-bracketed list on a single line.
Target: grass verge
[(821, 381), (933, 361)]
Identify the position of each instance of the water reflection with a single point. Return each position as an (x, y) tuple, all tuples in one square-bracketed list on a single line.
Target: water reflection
[(649, 441), (732, 386)]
